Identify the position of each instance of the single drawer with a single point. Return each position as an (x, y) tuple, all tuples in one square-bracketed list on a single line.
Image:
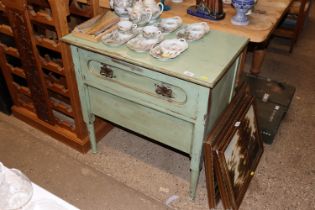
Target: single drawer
[(138, 84), (159, 126)]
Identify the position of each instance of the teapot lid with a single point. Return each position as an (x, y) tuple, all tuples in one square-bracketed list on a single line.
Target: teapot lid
[(138, 5)]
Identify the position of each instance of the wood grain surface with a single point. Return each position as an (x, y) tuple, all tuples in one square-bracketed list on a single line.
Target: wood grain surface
[(263, 20)]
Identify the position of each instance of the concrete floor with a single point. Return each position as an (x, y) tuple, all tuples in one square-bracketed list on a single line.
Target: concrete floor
[(130, 172)]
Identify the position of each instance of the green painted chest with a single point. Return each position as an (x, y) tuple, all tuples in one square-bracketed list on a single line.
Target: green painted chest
[(175, 102)]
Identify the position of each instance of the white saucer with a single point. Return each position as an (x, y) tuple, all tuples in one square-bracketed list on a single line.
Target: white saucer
[(141, 44), (193, 31), (116, 39), (168, 49)]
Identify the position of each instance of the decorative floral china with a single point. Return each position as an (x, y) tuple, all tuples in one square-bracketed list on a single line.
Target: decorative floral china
[(142, 44), (139, 14), (156, 9), (126, 31), (169, 48), (115, 38), (125, 26), (168, 25), (120, 6), (193, 31), (151, 32)]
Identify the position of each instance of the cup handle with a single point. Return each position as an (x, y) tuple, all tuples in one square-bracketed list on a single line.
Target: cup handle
[(179, 19), (206, 26), (161, 6), (134, 28)]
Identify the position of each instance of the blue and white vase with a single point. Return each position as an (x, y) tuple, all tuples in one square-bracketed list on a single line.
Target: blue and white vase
[(242, 7)]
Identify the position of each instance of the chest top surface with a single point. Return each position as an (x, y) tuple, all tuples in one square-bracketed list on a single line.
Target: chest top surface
[(204, 62)]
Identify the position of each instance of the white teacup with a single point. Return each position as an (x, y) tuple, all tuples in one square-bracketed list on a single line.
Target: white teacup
[(151, 32), (126, 26)]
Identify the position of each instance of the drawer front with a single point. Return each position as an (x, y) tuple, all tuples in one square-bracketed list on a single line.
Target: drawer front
[(149, 122), (146, 87)]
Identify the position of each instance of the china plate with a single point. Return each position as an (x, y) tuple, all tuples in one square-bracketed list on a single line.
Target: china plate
[(168, 25), (169, 48), (141, 44), (193, 31), (116, 39)]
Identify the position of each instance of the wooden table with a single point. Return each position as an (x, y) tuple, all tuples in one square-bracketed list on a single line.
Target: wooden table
[(263, 20)]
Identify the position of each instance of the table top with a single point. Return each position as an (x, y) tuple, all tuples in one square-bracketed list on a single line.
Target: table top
[(263, 20), (204, 62)]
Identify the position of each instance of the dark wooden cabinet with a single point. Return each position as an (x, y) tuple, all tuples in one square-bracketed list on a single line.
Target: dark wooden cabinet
[(5, 98), (38, 67)]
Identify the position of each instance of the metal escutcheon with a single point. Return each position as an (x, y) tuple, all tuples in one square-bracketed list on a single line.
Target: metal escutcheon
[(106, 71), (164, 91)]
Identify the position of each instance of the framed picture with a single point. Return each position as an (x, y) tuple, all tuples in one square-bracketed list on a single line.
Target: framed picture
[(212, 184), (216, 136), (237, 152)]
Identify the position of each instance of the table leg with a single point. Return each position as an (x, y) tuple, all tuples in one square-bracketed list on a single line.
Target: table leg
[(194, 178), (88, 118), (198, 138), (196, 161), (258, 58), (240, 74), (90, 127), (259, 52)]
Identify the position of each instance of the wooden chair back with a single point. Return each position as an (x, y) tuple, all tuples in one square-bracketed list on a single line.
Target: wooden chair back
[(292, 24)]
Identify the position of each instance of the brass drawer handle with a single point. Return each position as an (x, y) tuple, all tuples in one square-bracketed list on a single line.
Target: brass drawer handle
[(164, 91), (106, 71)]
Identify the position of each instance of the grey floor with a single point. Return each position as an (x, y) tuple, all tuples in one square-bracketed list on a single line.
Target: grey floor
[(130, 172)]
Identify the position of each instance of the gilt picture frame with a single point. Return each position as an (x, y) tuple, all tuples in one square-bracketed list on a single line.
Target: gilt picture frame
[(215, 136), (237, 154)]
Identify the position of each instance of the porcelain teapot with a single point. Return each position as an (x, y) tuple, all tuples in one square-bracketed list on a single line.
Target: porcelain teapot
[(139, 14), (120, 6), (156, 9)]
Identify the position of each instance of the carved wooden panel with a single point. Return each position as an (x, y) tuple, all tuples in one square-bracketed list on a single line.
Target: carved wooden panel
[(16, 4), (44, 65), (36, 85)]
